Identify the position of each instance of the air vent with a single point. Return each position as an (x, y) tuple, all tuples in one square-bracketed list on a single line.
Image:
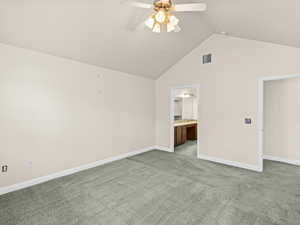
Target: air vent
[(207, 59)]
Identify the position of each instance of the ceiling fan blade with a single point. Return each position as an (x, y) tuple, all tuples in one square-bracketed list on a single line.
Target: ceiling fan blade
[(137, 20), (140, 26), (177, 28), (190, 7), (139, 4)]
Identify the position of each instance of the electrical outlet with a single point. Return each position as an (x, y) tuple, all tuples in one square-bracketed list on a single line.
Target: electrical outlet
[(248, 121), (4, 168)]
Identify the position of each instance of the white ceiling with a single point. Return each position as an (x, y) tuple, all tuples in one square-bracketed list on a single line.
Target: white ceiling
[(274, 21), (99, 32)]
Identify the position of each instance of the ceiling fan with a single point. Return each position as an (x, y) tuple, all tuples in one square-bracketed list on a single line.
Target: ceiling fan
[(162, 17)]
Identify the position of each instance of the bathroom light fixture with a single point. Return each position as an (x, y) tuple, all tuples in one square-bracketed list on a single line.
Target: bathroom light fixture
[(186, 95)]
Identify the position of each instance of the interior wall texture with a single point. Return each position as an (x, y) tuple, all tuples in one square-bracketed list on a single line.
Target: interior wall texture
[(58, 114), (228, 93), (281, 118)]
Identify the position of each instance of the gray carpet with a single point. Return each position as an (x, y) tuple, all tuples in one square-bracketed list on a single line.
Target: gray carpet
[(189, 148), (159, 188)]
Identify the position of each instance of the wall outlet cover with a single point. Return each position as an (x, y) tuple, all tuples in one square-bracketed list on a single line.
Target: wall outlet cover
[(248, 121)]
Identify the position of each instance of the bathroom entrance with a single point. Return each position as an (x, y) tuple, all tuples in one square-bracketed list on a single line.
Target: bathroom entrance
[(184, 118)]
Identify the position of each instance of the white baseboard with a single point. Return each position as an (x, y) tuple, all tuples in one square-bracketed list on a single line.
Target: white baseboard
[(162, 148), (46, 178), (221, 161), (278, 159), (231, 163)]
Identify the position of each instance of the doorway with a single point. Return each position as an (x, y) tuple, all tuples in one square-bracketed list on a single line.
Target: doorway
[(278, 119), (184, 126)]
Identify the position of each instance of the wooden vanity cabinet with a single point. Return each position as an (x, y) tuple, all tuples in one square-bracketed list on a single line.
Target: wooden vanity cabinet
[(184, 133), (191, 132), (180, 135)]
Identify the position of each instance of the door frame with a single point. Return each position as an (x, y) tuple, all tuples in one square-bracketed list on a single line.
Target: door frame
[(171, 125), (260, 127)]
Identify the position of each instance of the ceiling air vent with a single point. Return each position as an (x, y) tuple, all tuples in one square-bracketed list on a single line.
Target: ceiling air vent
[(207, 59)]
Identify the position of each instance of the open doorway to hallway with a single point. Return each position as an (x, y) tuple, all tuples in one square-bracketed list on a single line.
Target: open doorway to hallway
[(281, 120), (185, 120), (278, 123)]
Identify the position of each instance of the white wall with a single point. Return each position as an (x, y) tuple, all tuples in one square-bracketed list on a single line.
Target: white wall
[(57, 114), (281, 119), (228, 93)]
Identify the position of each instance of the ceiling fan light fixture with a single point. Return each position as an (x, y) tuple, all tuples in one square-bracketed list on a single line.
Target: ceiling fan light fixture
[(161, 16), (177, 28), (173, 20), (150, 22), (156, 28), (170, 27)]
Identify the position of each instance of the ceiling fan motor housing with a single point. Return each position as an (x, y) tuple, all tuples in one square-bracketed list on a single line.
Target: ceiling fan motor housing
[(163, 5)]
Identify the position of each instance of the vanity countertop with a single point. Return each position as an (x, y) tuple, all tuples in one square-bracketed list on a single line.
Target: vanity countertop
[(178, 123)]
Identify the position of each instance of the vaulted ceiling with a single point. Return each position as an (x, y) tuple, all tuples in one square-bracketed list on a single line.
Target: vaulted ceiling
[(100, 32)]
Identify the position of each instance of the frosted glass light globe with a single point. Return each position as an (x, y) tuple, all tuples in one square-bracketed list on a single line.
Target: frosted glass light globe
[(156, 28), (170, 27), (150, 22), (173, 20), (160, 16)]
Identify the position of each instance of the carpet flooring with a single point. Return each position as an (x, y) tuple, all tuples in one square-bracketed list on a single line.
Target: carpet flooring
[(160, 188)]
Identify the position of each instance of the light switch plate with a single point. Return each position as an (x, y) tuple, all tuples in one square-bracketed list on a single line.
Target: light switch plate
[(4, 169)]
